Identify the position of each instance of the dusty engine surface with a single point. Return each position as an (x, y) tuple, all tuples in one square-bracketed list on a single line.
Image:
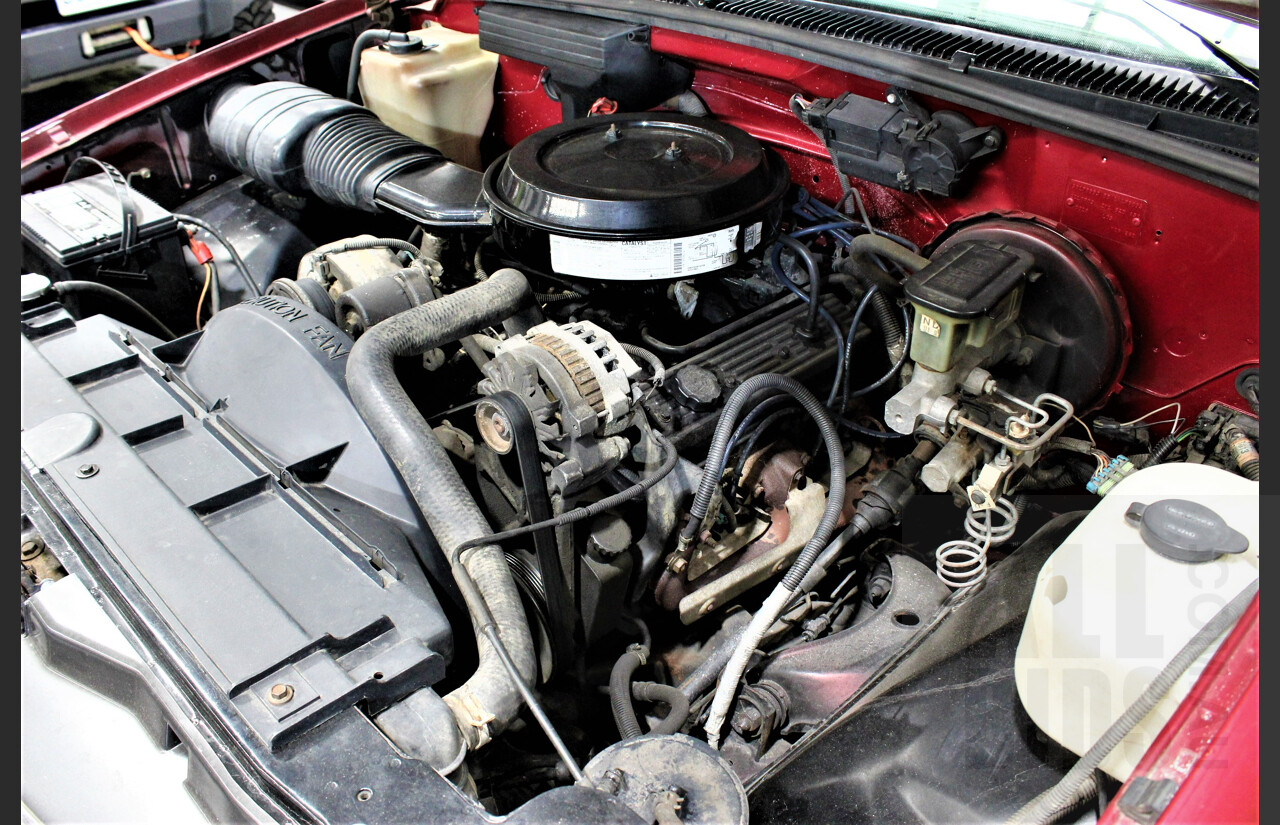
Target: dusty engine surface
[(611, 475)]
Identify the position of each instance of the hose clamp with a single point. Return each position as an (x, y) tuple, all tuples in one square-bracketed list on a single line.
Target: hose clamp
[(472, 716), (641, 652)]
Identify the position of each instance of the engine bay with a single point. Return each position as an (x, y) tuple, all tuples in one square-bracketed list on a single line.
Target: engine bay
[(516, 409)]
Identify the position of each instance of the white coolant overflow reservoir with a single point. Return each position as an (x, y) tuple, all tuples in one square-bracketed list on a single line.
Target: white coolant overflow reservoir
[(1110, 608), (440, 95)]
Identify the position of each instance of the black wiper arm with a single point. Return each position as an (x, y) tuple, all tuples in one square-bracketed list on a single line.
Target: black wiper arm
[(1249, 74)]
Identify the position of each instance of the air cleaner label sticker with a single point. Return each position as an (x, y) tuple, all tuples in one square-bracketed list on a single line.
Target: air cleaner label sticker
[(645, 260)]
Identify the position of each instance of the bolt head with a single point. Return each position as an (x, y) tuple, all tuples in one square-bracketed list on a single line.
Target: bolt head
[(612, 781), (87, 471), (280, 694), (31, 549), (493, 427), (747, 719)]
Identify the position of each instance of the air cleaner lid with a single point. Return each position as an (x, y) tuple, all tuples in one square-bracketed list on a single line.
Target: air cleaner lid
[(635, 176)]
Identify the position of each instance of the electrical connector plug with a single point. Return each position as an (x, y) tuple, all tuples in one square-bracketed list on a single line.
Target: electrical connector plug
[(1109, 476)]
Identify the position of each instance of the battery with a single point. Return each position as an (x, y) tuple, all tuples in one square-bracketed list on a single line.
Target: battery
[(76, 231), (76, 221)]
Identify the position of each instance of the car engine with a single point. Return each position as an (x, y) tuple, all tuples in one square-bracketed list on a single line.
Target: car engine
[(549, 432)]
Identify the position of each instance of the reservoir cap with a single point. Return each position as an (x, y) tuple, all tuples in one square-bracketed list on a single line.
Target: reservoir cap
[(1185, 531)]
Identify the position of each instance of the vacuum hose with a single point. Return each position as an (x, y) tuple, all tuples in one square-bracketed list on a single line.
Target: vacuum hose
[(488, 701), (624, 715), (622, 690), (890, 326), (672, 696), (864, 245), (860, 248), (888, 321)]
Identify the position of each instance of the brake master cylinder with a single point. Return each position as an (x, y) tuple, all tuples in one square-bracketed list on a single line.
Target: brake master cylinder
[(964, 299), (966, 296)]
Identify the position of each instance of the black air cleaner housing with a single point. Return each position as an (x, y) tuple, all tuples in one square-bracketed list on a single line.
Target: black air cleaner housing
[(635, 197)]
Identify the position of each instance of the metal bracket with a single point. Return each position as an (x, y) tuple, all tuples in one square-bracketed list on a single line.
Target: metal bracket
[(1145, 799)]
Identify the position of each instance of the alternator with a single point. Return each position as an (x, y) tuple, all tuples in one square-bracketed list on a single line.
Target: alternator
[(598, 370), (601, 370), (576, 381)]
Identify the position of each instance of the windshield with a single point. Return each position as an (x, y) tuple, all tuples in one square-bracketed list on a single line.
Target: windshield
[(1129, 29)]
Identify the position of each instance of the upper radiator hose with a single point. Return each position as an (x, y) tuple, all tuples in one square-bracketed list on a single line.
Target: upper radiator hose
[(488, 701), (306, 142)]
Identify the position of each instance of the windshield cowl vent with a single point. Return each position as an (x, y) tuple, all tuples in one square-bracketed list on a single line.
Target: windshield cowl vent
[(1163, 99)]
